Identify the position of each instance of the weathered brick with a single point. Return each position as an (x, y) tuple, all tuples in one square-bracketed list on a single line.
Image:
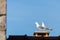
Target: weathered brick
[(2, 19)]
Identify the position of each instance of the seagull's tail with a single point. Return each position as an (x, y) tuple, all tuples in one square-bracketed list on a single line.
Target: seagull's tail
[(51, 29)]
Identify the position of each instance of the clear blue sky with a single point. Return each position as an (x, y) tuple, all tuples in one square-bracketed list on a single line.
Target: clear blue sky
[(22, 15)]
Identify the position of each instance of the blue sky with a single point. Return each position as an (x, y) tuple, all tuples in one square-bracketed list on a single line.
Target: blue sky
[(22, 15)]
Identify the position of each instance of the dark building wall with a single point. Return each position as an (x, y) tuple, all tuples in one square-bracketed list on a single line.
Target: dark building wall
[(32, 38)]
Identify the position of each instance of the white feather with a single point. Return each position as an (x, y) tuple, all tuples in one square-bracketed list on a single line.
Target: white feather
[(43, 24), (37, 25)]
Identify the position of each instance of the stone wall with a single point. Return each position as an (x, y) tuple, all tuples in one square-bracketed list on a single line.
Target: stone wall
[(2, 19)]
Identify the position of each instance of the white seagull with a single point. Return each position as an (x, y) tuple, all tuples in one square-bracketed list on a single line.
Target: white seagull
[(42, 27)]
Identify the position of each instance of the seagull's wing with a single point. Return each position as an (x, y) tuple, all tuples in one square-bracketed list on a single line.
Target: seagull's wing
[(41, 27), (43, 24), (37, 25)]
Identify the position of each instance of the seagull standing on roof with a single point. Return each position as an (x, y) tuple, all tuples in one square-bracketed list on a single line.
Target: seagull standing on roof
[(42, 27)]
